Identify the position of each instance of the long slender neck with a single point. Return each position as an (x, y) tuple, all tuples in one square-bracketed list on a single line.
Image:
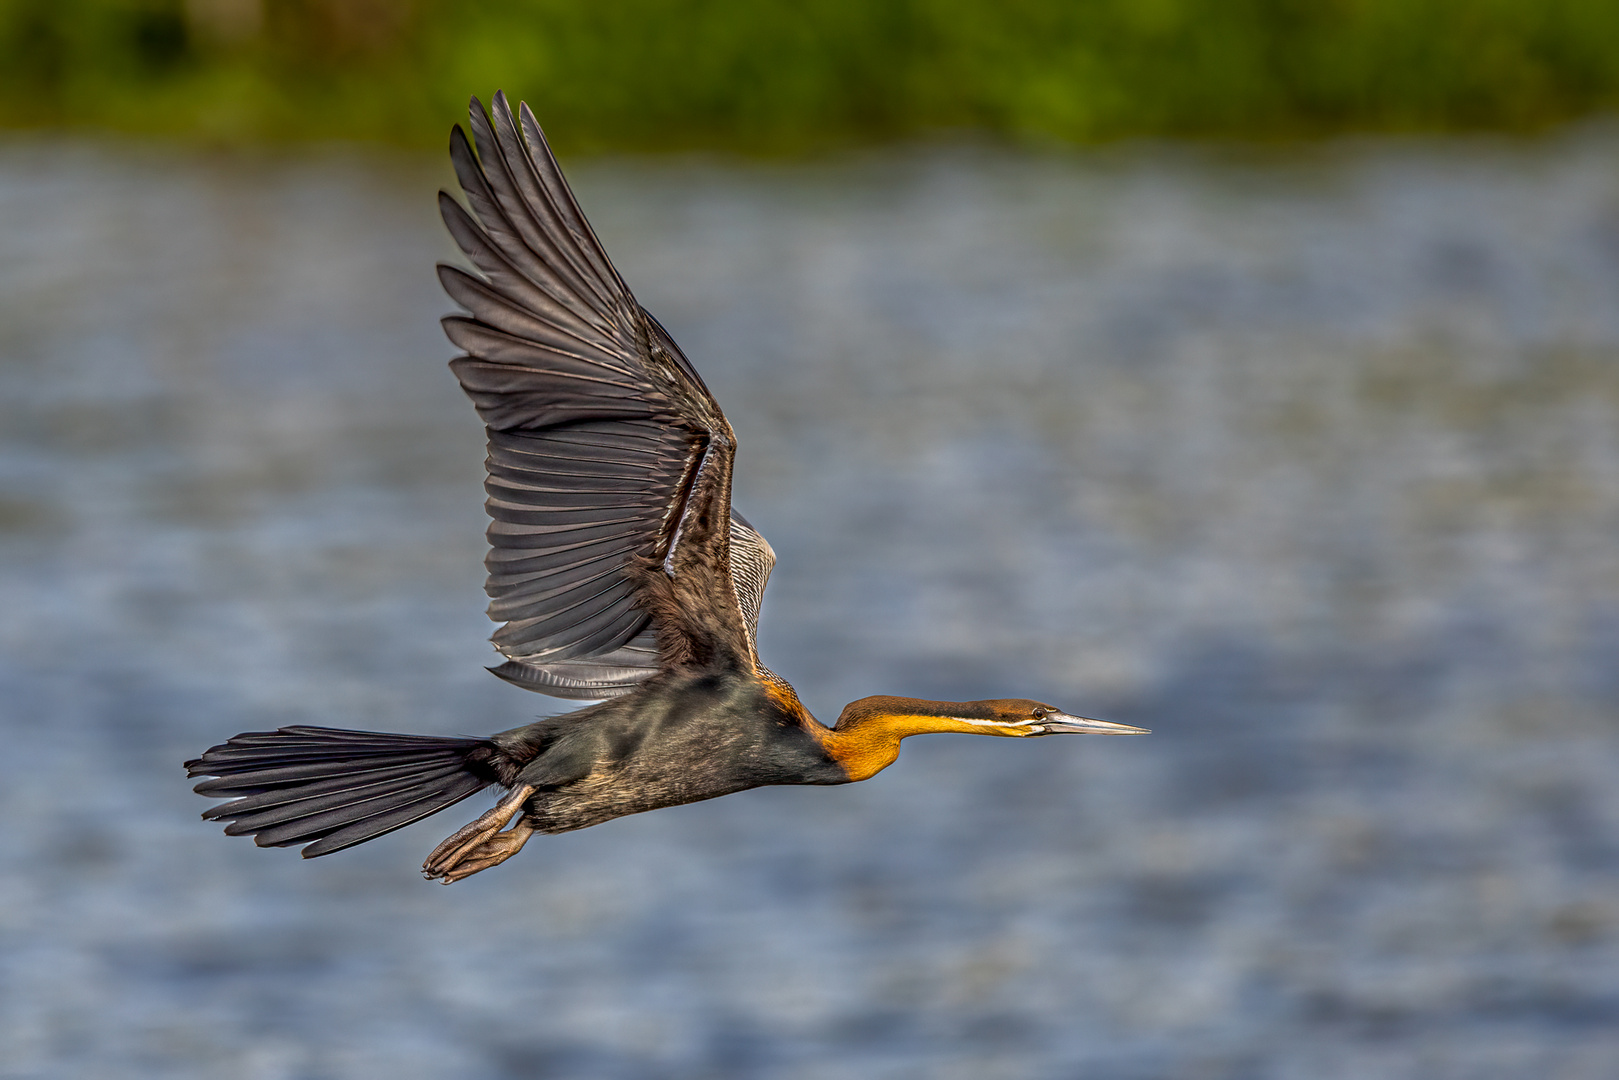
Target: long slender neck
[(868, 732)]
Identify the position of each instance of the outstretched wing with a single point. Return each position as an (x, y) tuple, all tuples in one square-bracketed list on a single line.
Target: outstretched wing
[(607, 454)]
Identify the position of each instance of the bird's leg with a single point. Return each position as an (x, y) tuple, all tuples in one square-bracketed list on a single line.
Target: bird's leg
[(470, 841), (492, 852)]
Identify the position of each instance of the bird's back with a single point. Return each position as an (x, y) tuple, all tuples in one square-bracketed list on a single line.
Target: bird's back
[(682, 737)]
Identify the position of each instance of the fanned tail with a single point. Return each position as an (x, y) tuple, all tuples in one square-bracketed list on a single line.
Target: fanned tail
[(338, 788)]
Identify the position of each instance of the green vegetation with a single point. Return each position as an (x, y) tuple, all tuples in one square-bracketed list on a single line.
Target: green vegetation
[(770, 77)]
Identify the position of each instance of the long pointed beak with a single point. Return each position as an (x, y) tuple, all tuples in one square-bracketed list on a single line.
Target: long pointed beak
[(1060, 723)]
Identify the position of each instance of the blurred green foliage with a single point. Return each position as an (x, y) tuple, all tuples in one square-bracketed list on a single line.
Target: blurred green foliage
[(770, 77)]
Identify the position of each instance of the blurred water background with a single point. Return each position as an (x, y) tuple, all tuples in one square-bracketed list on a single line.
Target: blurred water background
[(1306, 458)]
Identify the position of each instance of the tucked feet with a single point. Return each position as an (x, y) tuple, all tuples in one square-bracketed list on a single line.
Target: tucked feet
[(492, 852), (481, 844)]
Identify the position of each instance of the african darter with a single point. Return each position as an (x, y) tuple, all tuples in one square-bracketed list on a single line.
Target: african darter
[(617, 567)]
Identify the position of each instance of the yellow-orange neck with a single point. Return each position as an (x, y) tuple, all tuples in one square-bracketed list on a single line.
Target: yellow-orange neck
[(867, 736)]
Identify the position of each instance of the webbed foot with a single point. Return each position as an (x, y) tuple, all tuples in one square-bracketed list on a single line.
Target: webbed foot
[(481, 844)]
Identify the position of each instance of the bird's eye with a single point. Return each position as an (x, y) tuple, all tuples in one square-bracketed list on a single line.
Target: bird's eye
[(1040, 712)]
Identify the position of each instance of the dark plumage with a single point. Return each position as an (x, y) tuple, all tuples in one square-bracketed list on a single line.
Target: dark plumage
[(617, 569)]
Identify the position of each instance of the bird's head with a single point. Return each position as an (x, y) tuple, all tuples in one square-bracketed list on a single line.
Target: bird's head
[(866, 738)]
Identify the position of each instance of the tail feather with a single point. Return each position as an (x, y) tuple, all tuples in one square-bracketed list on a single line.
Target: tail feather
[(256, 812), (248, 757), (370, 828), (326, 736), (318, 824), (280, 796), (337, 788), (251, 781)]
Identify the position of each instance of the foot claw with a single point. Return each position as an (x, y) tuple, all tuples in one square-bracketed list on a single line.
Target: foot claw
[(492, 852), (481, 844)]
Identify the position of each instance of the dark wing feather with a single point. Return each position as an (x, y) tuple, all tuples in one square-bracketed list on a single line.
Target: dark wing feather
[(604, 445), (606, 675)]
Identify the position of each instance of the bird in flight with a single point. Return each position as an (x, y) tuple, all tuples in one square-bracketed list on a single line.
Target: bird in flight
[(618, 571)]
